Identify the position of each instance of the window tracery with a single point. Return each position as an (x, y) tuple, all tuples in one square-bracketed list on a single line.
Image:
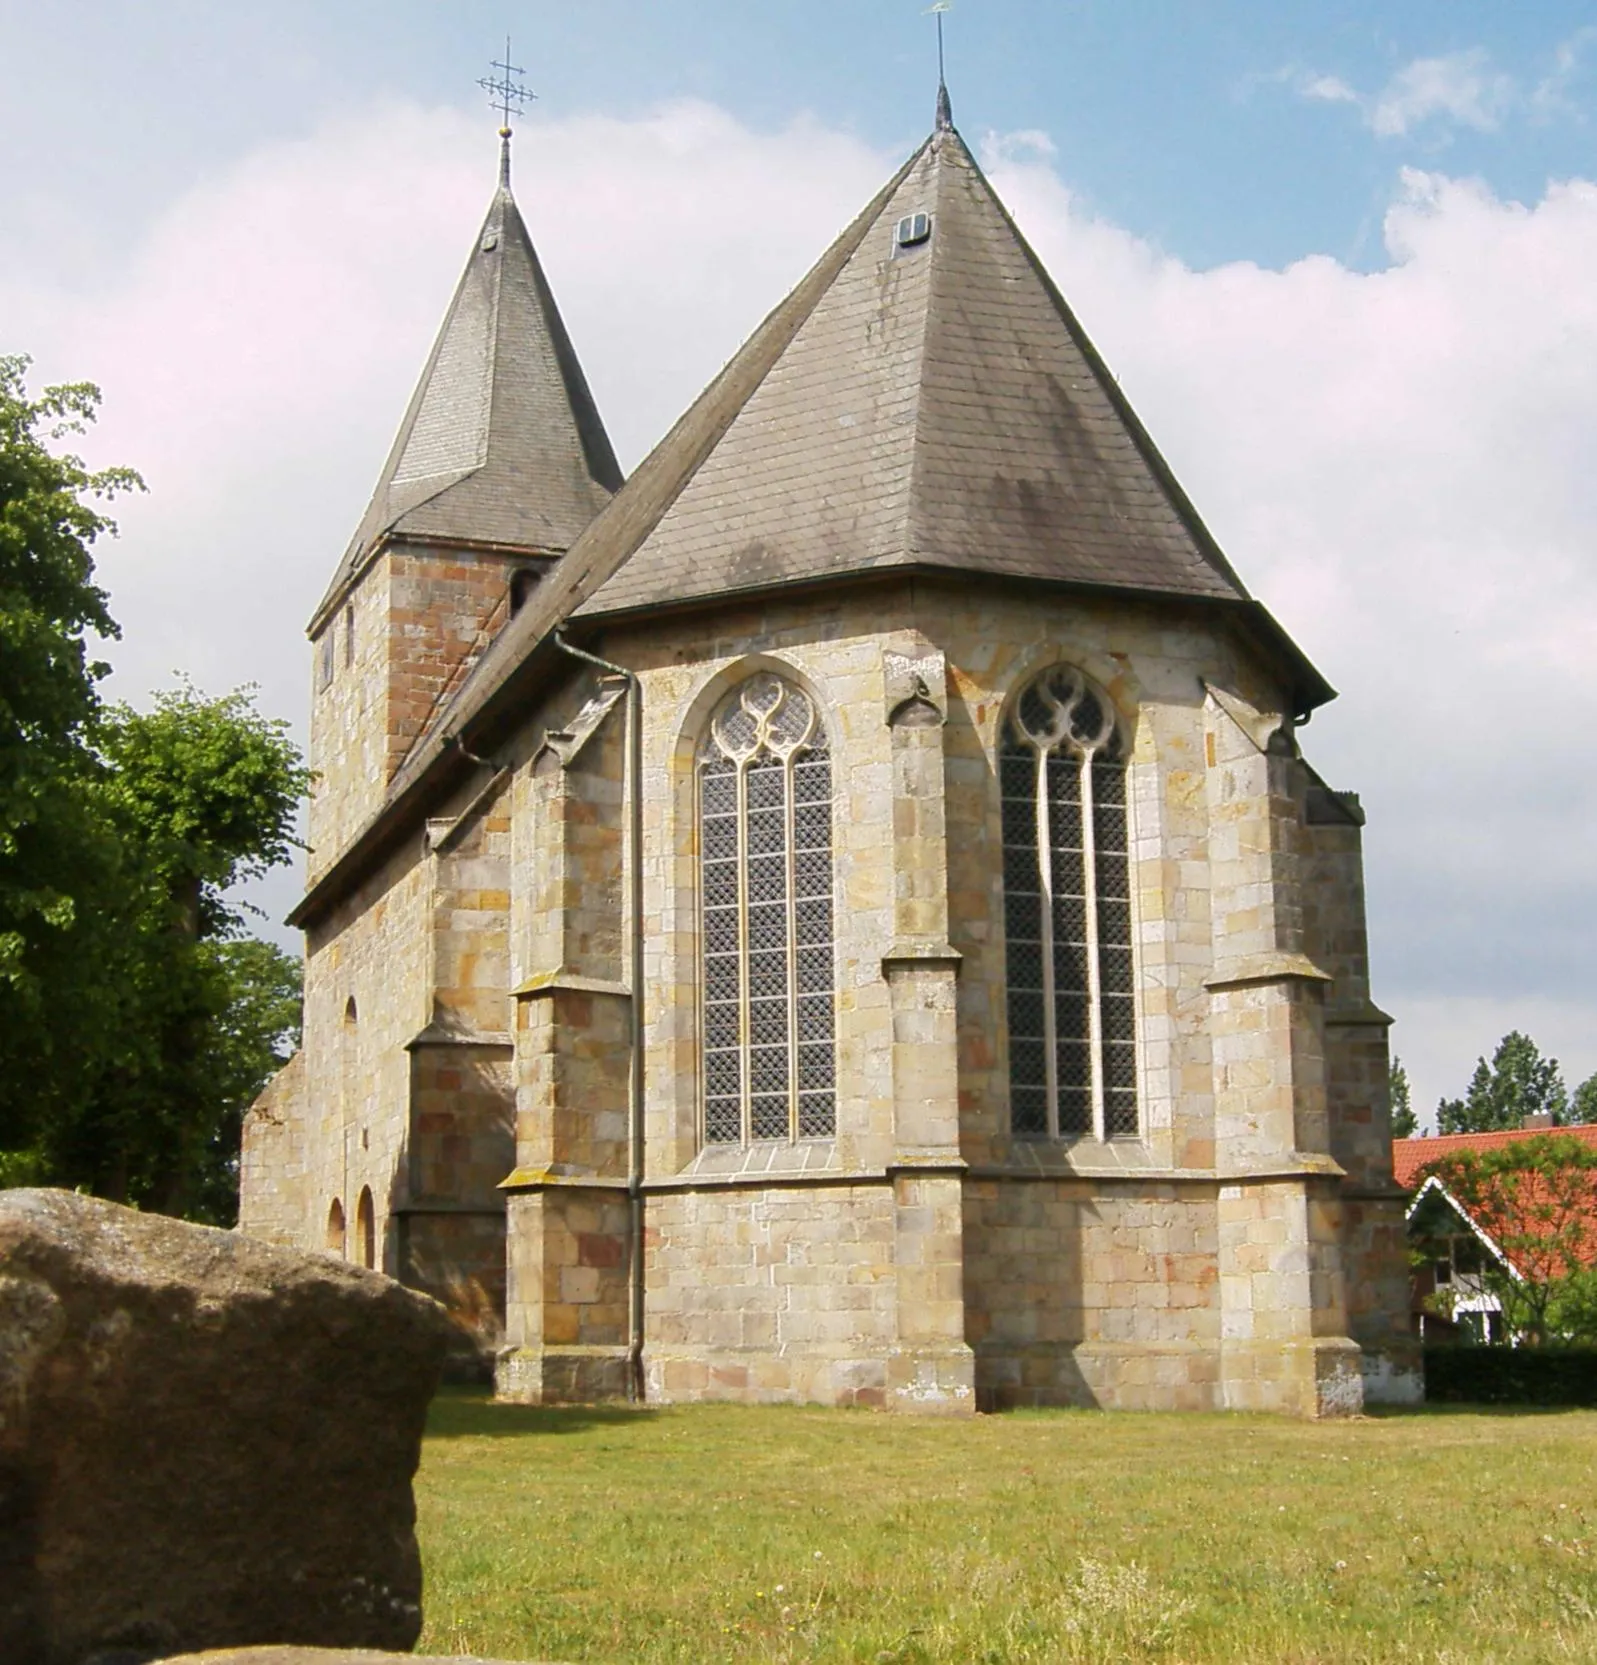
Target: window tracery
[(767, 954), (1067, 913)]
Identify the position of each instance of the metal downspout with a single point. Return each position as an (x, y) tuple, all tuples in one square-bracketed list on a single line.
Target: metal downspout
[(634, 792)]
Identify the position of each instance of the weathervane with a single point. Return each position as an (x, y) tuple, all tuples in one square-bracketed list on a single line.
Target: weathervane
[(945, 108), (509, 96)]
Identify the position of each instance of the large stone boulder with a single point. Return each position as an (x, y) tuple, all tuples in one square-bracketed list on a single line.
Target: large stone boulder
[(204, 1441)]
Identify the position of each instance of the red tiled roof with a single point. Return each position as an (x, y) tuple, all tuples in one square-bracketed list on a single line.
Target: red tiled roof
[(1410, 1155), (1542, 1226)]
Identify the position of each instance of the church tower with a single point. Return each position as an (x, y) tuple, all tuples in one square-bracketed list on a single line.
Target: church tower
[(387, 1136), (500, 462)]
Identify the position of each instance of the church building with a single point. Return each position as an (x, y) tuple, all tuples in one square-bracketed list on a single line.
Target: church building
[(842, 915)]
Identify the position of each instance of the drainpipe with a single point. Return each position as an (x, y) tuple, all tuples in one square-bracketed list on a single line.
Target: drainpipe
[(634, 793)]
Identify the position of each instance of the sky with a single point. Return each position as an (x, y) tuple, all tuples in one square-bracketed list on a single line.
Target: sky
[(1340, 255)]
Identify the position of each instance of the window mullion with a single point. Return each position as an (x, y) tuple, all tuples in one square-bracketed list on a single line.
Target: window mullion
[(1089, 862), (745, 1024), (790, 872), (1045, 881)]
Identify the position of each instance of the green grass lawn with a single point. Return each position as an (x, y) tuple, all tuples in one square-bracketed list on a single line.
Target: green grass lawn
[(742, 1533)]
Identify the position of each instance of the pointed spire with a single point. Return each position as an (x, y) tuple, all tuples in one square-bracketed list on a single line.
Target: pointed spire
[(502, 443), (945, 108)]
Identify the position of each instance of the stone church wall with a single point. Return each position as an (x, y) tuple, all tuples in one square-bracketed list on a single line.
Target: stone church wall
[(923, 1255), (772, 1294), (1081, 1293), (402, 640), (349, 718), (276, 1184), (366, 977)]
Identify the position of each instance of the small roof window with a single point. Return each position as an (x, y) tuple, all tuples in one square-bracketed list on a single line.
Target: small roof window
[(912, 230)]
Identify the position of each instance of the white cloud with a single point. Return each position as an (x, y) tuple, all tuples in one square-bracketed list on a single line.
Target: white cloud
[(1397, 461), (1460, 88), (1552, 94), (1024, 144), (1327, 89)]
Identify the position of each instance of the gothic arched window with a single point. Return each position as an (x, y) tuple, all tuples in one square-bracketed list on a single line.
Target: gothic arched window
[(1067, 913), (765, 855)]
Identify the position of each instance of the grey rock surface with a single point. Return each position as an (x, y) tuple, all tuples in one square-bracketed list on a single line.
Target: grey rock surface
[(204, 1441)]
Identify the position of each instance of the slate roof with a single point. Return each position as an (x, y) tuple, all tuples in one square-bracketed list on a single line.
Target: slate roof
[(936, 407), (940, 406), (502, 443)]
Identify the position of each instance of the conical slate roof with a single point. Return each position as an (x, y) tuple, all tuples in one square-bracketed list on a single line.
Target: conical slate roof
[(940, 406), (502, 443)]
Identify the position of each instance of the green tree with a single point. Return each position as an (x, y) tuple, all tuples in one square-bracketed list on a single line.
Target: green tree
[(253, 1035), (1583, 1102), (1536, 1198), (58, 864), (1519, 1082), (135, 1025), (1572, 1313), (1404, 1121), (200, 794)]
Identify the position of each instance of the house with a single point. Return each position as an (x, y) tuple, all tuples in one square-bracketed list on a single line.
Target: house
[(1458, 1253), (842, 915)]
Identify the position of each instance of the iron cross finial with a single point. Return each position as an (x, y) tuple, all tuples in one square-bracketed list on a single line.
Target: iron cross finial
[(506, 91)]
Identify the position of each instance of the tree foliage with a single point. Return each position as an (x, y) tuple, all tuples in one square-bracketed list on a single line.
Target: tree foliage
[(1536, 1199), (57, 861), (135, 1024), (1404, 1121), (1583, 1102), (1519, 1082), (197, 793)]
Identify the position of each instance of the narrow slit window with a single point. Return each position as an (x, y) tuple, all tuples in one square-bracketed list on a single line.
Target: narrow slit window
[(767, 955), (1067, 914), (326, 650)]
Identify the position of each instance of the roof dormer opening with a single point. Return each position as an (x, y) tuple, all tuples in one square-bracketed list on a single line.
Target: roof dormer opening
[(912, 231)]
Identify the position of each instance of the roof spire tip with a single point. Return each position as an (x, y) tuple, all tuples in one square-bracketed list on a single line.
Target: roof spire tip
[(945, 107), (508, 96)]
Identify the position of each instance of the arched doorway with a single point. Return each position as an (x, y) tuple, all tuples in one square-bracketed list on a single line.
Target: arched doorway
[(335, 1229), (366, 1229)]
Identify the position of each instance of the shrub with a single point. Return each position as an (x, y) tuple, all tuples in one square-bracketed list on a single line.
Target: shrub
[(1511, 1375)]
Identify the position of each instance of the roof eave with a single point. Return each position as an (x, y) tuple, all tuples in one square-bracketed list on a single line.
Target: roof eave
[(485, 725)]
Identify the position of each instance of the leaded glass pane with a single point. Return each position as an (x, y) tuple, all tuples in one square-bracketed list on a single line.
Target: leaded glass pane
[(766, 871), (1067, 914), (1028, 1109), (766, 785), (817, 1115), (768, 1117), (768, 1022), (1120, 1113), (1075, 1111), (723, 1121), (768, 1068)]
